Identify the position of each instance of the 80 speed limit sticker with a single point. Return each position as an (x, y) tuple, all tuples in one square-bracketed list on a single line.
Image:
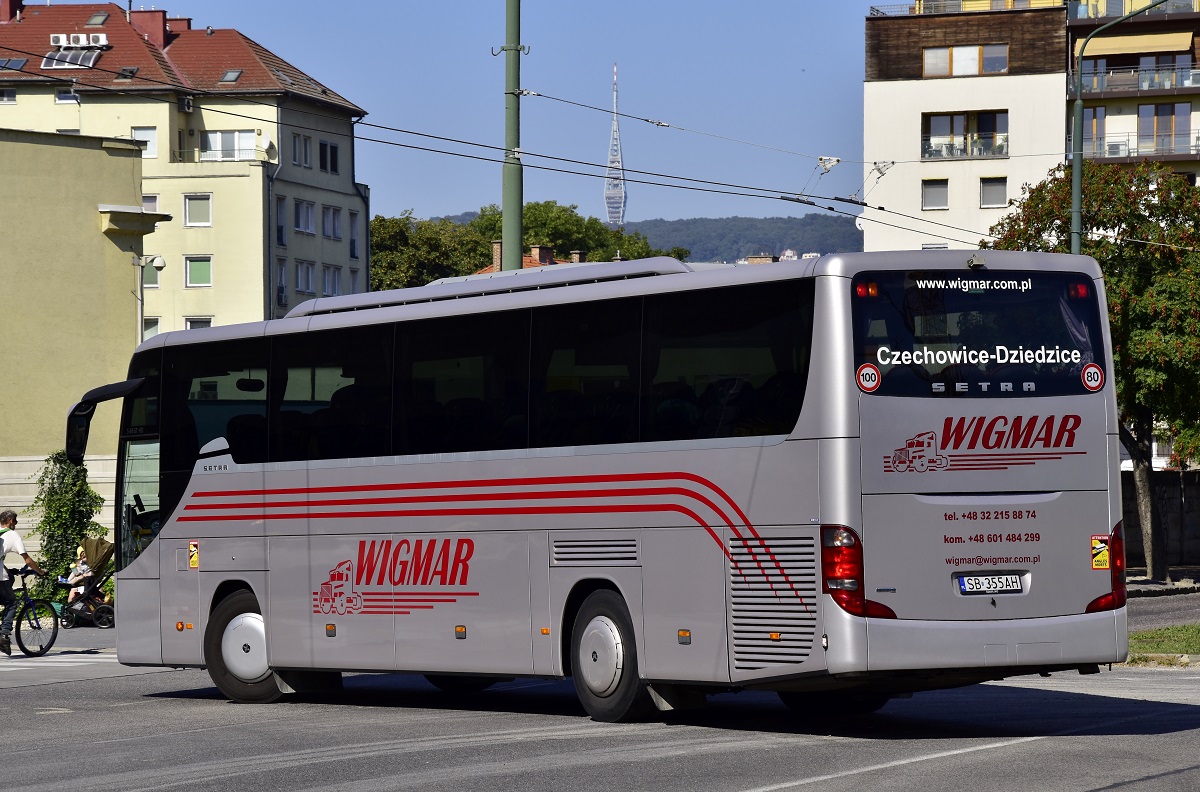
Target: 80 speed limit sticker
[(868, 377), (1093, 377)]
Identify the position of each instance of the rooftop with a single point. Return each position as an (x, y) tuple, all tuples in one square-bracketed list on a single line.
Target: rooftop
[(1076, 9)]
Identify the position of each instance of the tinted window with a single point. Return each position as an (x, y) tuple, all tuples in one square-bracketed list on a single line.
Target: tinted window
[(331, 394), (977, 334), (726, 362), (585, 373), (462, 383)]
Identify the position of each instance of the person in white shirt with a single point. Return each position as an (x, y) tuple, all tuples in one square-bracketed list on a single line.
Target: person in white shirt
[(10, 542)]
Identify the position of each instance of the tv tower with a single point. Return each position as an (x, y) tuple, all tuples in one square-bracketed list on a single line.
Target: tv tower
[(614, 177)]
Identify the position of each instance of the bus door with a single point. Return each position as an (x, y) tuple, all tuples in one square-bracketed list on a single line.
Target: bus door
[(984, 411)]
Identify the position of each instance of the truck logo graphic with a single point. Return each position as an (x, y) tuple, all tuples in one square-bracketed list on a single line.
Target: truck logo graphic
[(920, 454), (337, 593)]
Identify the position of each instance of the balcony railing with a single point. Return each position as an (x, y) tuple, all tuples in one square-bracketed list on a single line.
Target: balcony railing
[(1076, 9), (217, 155), (1134, 79), (1132, 144), (964, 146)]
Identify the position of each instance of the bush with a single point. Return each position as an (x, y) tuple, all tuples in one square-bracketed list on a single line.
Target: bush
[(66, 506)]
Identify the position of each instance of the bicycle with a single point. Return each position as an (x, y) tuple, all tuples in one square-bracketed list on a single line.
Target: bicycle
[(36, 625)]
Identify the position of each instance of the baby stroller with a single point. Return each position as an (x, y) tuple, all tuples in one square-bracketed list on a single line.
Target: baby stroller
[(89, 605)]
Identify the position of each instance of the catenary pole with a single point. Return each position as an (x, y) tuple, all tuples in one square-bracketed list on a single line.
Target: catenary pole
[(511, 245), (1077, 132)]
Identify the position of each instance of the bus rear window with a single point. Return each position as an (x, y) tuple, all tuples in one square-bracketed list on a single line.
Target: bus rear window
[(979, 334)]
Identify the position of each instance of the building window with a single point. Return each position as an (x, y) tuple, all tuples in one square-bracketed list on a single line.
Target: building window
[(1165, 128), (149, 136), (8, 96), (331, 222), (149, 274), (198, 323), (66, 97), (149, 203), (198, 271), (354, 272), (969, 61), (935, 193), (1094, 143), (331, 281), (67, 131), (281, 296), (150, 325), (935, 246), (993, 192), (354, 235), (229, 145), (306, 277), (329, 157), (197, 209), (307, 152), (295, 148), (982, 133), (280, 221), (305, 211)]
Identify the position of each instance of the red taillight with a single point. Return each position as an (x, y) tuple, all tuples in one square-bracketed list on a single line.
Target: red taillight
[(1116, 570), (842, 573), (1077, 291), (863, 289)]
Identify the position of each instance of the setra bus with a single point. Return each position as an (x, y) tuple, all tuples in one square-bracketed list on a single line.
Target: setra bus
[(845, 479)]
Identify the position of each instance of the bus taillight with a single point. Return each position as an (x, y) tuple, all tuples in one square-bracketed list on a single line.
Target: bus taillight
[(1077, 291), (842, 573), (1116, 569)]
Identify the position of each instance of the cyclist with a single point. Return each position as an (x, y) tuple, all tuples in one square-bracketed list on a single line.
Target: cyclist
[(10, 542)]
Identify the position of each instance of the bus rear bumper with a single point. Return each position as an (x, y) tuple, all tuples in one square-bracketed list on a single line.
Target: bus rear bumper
[(1092, 638)]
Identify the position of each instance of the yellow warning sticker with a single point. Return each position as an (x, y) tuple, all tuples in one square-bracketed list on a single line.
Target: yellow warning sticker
[(1100, 554), (194, 555)]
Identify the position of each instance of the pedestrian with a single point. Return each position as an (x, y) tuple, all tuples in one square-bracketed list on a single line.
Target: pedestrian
[(10, 542)]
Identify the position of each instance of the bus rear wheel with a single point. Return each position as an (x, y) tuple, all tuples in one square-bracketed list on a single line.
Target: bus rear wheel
[(235, 650), (604, 665)]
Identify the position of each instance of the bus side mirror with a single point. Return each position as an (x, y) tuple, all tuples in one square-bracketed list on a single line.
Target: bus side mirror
[(79, 423)]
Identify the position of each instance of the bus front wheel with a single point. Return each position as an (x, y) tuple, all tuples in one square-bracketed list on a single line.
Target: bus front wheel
[(235, 650), (604, 665)]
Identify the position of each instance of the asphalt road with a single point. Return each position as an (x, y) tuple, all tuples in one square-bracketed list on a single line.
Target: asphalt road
[(1130, 729)]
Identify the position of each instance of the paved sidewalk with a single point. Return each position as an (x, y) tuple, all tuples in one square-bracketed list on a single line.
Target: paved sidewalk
[(1182, 580)]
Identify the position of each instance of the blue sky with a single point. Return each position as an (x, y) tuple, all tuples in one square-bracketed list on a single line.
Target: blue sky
[(783, 74)]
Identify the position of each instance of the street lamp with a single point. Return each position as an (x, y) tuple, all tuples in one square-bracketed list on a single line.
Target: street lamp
[(1077, 132), (159, 263)]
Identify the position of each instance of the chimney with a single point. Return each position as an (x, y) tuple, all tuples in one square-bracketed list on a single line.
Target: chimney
[(576, 256), (179, 24), (496, 261), (542, 254), (10, 10), (151, 24)]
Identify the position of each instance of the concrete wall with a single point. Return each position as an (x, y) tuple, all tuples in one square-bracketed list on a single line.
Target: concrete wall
[(1178, 497)]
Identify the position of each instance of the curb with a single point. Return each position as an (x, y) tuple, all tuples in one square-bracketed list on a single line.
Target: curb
[(1163, 591)]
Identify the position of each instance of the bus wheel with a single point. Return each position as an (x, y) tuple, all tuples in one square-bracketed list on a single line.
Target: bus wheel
[(604, 660), (459, 685), (235, 650), (833, 704)]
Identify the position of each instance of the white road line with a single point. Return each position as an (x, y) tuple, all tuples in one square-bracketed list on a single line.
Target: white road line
[(939, 755)]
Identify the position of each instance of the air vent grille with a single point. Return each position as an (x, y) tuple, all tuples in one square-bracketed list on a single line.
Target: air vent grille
[(596, 552), (773, 590)]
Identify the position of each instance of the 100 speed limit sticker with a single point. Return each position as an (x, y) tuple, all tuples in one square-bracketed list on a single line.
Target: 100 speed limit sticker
[(868, 377)]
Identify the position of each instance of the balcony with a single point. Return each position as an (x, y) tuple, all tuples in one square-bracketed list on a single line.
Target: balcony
[(218, 155), (1131, 144), (1076, 9), (1134, 80), (972, 146)]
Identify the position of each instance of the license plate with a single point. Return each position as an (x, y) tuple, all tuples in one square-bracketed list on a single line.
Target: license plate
[(989, 584)]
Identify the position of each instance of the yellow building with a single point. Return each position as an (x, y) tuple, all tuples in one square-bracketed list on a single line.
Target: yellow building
[(253, 158), (72, 226)]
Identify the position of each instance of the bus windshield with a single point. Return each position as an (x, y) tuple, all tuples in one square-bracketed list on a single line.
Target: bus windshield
[(982, 334)]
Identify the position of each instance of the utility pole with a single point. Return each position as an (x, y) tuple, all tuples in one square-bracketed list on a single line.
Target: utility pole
[(1077, 132), (512, 205)]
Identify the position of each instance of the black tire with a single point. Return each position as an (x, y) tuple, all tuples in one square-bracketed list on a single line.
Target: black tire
[(461, 685), (104, 617), (235, 650), (67, 618), (834, 704), (604, 665), (36, 627)]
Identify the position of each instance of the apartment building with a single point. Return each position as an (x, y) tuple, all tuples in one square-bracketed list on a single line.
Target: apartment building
[(967, 100), (253, 158)]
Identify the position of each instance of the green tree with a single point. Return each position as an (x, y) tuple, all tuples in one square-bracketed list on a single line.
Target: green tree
[(66, 506), (1143, 226), (408, 252)]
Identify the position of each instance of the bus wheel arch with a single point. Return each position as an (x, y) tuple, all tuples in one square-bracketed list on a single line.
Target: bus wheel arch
[(235, 646), (604, 659)]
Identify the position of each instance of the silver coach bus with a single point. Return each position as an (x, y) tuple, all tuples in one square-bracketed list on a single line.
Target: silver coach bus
[(844, 480)]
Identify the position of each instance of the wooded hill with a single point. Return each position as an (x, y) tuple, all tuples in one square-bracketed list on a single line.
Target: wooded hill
[(731, 238)]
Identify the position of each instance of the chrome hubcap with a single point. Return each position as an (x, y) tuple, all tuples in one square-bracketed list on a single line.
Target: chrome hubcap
[(244, 647)]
